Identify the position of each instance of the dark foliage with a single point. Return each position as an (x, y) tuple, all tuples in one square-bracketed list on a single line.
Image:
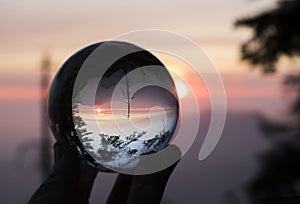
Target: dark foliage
[(275, 33)]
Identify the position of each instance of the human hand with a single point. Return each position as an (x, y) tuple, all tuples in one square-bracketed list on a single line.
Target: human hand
[(70, 181), (146, 189)]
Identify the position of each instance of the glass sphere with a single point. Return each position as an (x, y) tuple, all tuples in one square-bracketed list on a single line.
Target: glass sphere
[(113, 101)]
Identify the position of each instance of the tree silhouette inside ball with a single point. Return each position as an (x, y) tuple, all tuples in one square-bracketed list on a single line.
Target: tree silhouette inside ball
[(113, 101)]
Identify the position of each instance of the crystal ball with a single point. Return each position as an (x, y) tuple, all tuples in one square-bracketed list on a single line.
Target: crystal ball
[(113, 101)]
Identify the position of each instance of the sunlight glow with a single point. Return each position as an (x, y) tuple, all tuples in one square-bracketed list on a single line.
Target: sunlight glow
[(99, 111), (182, 89)]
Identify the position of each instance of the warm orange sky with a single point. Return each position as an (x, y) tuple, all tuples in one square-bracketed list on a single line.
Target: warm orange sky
[(32, 28)]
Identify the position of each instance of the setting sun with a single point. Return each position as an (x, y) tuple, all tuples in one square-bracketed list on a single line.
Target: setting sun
[(99, 111)]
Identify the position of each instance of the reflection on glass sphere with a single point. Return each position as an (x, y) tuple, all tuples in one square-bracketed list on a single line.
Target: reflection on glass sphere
[(113, 101)]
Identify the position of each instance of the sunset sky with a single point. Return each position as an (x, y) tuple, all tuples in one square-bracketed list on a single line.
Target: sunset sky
[(33, 29)]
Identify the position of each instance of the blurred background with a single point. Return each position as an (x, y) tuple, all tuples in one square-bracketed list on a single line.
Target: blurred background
[(253, 44)]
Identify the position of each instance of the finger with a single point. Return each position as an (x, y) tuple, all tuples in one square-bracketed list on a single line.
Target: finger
[(66, 163), (152, 186), (120, 191), (59, 187), (85, 182), (78, 175)]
